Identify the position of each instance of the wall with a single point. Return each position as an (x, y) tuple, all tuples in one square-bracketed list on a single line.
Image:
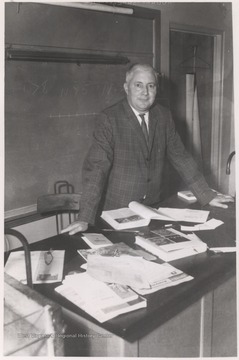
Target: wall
[(51, 107), (216, 16), (36, 230), (206, 15)]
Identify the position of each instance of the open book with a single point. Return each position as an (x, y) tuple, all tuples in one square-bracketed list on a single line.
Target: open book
[(137, 215), (170, 244)]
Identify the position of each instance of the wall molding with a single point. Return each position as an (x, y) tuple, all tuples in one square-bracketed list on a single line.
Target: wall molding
[(23, 211)]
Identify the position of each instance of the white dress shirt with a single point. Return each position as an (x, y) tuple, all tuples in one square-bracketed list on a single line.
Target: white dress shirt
[(146, 116)]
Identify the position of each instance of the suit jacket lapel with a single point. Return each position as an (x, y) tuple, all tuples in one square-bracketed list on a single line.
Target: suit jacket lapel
[(153, 122)]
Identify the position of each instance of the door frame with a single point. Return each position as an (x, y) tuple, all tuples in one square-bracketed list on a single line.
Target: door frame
[(217, 94)]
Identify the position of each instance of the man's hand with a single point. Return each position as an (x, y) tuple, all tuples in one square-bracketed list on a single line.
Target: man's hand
[(75, 227), (220, 200)]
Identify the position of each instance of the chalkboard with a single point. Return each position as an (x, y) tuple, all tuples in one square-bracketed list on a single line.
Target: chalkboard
[(50, 111)]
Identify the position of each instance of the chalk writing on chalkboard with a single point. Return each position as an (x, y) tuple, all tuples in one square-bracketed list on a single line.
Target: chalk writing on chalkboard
[(71, 115), (39, 88), (106, 93)]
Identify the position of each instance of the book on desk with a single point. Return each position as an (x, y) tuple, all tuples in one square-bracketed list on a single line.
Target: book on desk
[(187, 196), (170, 244), (137, 215), (96, 240)]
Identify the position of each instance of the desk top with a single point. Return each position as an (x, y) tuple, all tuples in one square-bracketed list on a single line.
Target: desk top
[(209, 271)]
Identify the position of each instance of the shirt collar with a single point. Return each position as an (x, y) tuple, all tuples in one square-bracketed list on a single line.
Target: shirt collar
[(137, 113)]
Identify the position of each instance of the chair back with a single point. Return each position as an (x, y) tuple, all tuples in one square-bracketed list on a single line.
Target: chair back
[(64, 200), (58, 203)]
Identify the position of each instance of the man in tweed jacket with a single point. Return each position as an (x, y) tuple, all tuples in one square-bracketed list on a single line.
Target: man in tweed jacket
[(122, 166)]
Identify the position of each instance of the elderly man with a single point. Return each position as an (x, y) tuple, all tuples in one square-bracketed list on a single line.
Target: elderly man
[(130, 143)]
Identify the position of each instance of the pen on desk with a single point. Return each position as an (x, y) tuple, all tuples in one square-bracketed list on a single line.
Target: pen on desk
[(127, 231)]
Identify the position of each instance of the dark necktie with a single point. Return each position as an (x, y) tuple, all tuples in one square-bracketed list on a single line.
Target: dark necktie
[(144, 128)]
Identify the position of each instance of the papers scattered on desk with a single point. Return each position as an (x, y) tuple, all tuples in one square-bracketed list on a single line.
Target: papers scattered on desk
[(187, 215), (96, 241), (141, 275), (208, 225), (161, 276), (101, 301), (223, 249), (41, 271)]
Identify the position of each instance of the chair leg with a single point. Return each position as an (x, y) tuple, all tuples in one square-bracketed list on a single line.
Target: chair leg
[(27, 253)]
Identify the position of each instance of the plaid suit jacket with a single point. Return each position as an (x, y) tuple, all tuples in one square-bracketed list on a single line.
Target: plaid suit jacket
[(120, 167)]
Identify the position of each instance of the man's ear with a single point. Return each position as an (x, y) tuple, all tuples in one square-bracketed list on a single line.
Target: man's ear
[(126, 88)]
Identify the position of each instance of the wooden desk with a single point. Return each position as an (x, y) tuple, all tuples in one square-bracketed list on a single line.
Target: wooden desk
[(187, 320)]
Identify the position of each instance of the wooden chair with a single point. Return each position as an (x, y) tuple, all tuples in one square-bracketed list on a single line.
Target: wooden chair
[(59, 202)]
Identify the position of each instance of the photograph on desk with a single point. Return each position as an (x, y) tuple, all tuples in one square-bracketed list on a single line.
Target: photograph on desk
[(47, 266), (119, 179)]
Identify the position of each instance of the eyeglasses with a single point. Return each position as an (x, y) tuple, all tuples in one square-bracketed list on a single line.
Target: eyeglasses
[(48, 257), (140, 86)]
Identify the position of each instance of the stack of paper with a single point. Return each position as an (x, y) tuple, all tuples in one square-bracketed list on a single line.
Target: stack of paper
[(101, 301), (141, 275), (161, 276)]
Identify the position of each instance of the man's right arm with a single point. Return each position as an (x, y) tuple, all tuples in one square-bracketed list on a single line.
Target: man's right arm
[(95, 173)]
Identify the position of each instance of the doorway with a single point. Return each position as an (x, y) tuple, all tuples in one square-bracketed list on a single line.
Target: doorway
[(198, 53)]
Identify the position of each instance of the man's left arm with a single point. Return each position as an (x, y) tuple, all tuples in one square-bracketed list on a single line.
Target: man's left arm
[(188, 169)]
